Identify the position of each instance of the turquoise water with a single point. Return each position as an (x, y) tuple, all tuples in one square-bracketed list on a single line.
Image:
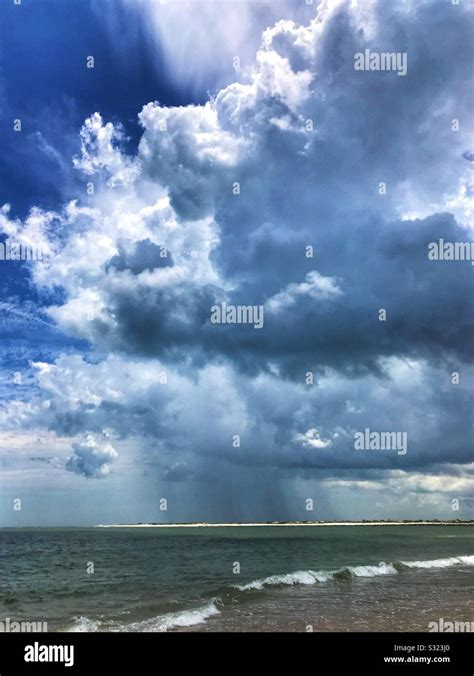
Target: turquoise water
[(233, 579)]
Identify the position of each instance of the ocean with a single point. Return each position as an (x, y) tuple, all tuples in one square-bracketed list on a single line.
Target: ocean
[(334, 578)]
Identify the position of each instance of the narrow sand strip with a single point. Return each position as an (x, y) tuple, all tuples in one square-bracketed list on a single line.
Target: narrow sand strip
[(291, 524)]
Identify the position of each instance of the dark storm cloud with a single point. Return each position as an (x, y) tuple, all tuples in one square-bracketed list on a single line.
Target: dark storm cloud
[(140, 256), (378, 266)]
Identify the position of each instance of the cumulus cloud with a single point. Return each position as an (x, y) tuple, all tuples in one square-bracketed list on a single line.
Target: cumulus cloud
[(313, 439), (100, 151), (92, 457), (286, 159)]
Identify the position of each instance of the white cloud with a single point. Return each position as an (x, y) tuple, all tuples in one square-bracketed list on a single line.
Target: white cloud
[(313, 439), (315, 286), (92, 456), (99, 150), (405, 483)]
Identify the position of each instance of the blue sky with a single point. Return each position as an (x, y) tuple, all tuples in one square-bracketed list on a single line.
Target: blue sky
[(225, 152)]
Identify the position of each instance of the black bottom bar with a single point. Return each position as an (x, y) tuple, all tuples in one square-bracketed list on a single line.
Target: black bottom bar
[(365, 653)]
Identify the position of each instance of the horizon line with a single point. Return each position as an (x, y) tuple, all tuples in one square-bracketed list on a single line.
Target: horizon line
[(236, 524)]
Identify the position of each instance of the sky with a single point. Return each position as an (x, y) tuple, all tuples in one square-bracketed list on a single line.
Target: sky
[(171, 158)]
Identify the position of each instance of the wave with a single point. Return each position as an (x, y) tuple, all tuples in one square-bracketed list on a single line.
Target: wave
[(441, 563), (236, 593), (298, 578), (308, 577), (304, 577), (84, 624), (160, 623), (372, 571), (182, 618)]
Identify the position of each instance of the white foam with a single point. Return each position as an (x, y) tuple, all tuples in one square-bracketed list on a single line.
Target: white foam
[(303, 577), (441, 563), (306, 577), (296, 578), (182, 618), (83, 624), (373, 571)]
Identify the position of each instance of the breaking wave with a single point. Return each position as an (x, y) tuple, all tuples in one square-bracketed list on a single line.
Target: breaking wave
[(160, 623), (305, 577), (441, 563), (84, 624), (237, 593)]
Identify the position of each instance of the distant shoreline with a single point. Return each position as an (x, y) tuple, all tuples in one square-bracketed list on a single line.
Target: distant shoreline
[(291, 524)]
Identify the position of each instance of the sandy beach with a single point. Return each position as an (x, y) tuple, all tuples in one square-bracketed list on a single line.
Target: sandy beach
[(285, 524)]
